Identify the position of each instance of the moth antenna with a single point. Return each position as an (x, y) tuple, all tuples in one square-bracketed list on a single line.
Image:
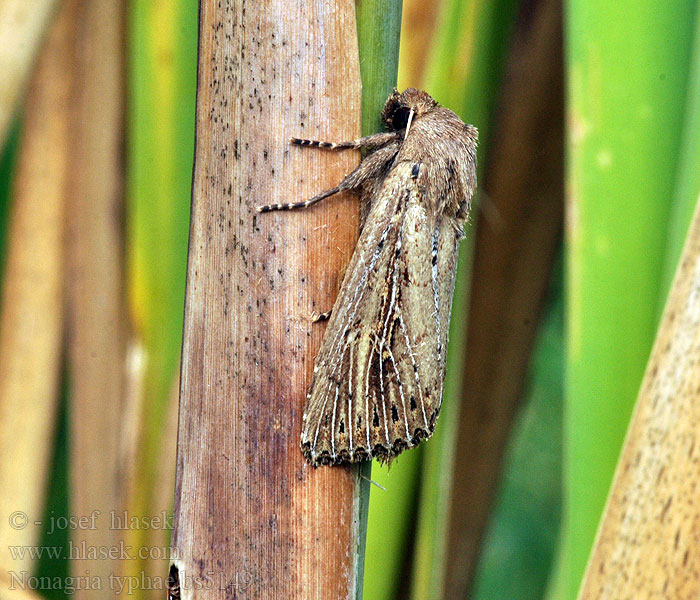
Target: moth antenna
[(408, 125)]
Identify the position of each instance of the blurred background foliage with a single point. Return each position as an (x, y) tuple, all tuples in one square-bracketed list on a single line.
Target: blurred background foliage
[(564, 385)]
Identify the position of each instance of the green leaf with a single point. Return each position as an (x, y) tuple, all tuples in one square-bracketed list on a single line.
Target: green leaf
[(160, 146), (687, 187), (627, 65)]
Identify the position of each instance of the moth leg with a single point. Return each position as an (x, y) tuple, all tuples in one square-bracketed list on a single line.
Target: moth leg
[(306, 203), (366, 170), (372, 165), (317, 317), (370, 142)]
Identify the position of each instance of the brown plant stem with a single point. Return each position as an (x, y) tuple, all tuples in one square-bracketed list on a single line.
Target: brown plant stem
[(252, 519), (22, 28), (516, 240), (31, 321), (97, 320)]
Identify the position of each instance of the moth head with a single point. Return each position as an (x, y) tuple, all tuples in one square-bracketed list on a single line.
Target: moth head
[(398, 107)]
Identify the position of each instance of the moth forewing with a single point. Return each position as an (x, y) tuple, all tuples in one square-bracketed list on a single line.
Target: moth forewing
[(419, 318), (378, 378), (344, 362), (446, 271), (377, 385)]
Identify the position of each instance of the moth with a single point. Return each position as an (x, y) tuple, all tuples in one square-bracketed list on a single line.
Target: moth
[(378, 379)]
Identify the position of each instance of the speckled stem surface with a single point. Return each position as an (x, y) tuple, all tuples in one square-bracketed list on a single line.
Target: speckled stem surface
[(252, 518)]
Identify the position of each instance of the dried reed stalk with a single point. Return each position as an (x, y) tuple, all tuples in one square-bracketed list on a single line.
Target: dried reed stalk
[(22, 28), (252, 519), (97, 318), (31, 322), (516, 241)]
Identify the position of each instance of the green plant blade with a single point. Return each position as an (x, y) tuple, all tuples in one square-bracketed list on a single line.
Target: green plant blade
[(160, 121), (8, 158), (391, 520), (687, 185), (378, 41), (627, 66)]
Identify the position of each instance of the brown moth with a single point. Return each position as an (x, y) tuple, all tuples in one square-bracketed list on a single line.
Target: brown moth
[(378, 379)]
